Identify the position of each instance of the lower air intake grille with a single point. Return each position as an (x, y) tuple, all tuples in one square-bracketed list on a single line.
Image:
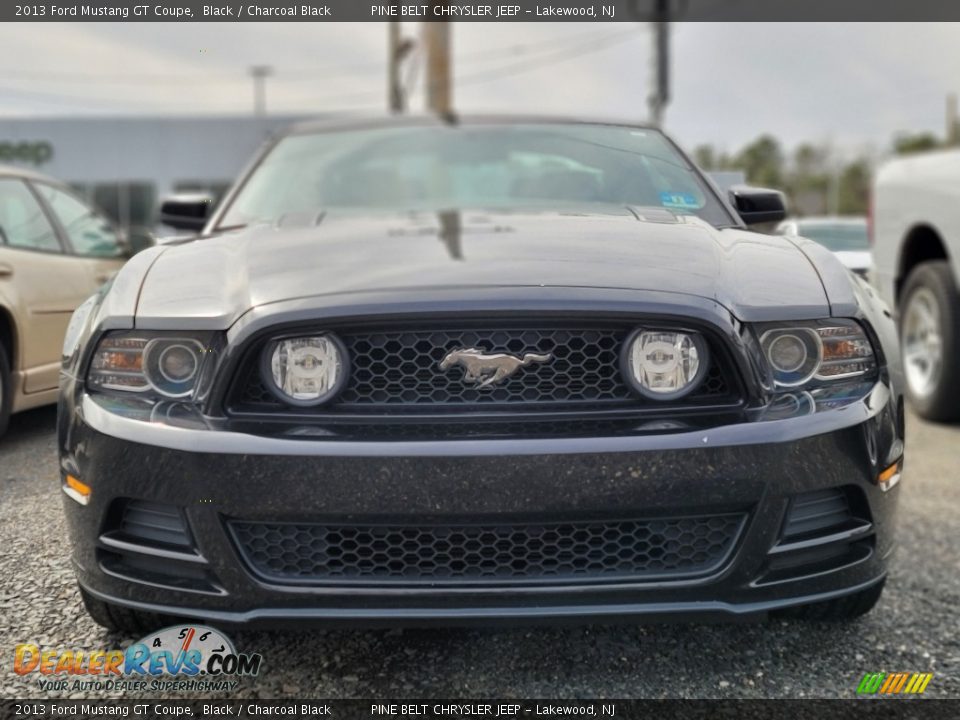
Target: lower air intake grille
[(154, 522), (814, 512), (316, 553), (149, 542), (824, 530)]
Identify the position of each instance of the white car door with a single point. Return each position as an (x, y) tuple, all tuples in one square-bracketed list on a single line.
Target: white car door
[(40, 286)]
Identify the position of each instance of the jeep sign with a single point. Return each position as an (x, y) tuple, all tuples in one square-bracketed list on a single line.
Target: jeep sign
[(35, 153)]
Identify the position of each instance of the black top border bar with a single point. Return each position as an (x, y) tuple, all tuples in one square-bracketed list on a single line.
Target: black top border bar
[(482, 11)]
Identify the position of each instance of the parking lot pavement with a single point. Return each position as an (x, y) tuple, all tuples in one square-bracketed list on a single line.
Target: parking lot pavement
[(914, 628)]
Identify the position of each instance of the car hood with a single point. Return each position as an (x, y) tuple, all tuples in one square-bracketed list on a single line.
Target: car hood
[(212, 281)]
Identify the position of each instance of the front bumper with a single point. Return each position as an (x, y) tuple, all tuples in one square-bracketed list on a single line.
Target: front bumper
[(215, 476)]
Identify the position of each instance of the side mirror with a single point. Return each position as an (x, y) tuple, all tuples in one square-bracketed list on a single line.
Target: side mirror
[(139, 238), (186, 211), (758, 205)]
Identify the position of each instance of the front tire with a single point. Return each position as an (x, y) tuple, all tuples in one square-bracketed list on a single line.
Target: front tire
[(930, 341), (842, 609), (6, 391), (121, 619)]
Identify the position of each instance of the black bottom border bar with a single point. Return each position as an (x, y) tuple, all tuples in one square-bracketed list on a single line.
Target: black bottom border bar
[(893, 707)]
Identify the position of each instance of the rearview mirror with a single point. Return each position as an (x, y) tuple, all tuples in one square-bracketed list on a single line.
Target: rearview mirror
[(758, 205), (186, 211)]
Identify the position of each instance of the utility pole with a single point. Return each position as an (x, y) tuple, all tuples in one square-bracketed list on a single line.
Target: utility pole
[(439, 75), (953, 122), (260, 73), (395, 99), (398, 48), (660, 92)]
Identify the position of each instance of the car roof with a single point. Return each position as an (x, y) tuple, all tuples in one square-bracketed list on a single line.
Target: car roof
[(830, 220), (814, 219), (14, 171), (352, 121)]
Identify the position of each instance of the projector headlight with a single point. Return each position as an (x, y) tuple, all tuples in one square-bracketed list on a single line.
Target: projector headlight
[(164, 366), (305, 371), (665, 365), (804, 353)]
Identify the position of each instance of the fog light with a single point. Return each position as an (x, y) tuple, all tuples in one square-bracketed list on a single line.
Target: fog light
[(665, 365), (305, 371)]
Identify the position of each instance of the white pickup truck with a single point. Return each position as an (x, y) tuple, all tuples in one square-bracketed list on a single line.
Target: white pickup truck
[(916, 266)]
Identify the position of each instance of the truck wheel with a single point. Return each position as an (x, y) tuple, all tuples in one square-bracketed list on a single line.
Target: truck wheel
[(6, 391), (930, 340)]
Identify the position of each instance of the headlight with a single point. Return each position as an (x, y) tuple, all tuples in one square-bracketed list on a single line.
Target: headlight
[(793, 353), (164, 366), (171, 366), (801, 353), (305, 371), (665, 365)]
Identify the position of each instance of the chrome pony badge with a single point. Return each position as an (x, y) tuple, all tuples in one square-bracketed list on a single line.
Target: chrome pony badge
[(489, 368)]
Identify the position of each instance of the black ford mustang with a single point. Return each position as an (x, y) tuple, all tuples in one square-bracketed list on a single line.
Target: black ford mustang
[(418, 371)]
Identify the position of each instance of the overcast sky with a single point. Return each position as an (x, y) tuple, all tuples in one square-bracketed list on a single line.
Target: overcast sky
[(853, 85)]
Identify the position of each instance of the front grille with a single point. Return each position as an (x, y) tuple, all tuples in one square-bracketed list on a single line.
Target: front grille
[(399, 370), (550, 551)]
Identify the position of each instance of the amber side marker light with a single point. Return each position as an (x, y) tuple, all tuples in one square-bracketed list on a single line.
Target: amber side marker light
[(77, 490), (889, 476)]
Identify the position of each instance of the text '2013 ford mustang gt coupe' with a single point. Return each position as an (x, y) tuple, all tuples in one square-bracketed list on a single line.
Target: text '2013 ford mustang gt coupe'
[(479, 369)]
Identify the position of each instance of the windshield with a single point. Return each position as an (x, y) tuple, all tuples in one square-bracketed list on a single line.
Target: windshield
[(475, 166), (837, 236)]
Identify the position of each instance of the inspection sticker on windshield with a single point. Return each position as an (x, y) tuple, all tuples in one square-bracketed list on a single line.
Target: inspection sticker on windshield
[(683, 201)]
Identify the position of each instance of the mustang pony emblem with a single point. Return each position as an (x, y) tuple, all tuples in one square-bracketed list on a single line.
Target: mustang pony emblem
[(488, 369)]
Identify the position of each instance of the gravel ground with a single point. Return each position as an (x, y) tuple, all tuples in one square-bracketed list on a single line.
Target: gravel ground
[(913, 628)]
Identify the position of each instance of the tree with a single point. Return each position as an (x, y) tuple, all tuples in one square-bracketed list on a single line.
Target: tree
[(705, 157), (808, 180), (809, 159), (854, 192), (762, 161), (907, 143)]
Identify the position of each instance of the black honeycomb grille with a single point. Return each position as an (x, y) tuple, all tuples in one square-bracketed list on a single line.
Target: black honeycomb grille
[(392, 369), (653, 548)]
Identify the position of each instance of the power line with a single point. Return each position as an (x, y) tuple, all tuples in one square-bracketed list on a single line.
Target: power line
[(559, 56), (523, 48), (590, 44), (295, 74)]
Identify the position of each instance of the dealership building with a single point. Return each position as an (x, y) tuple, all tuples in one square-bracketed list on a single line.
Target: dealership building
[(127, 165)]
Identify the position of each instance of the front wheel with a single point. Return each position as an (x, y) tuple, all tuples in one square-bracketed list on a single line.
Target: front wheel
[(121, 619), (930, 340), (842, 609), (6, 391)]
